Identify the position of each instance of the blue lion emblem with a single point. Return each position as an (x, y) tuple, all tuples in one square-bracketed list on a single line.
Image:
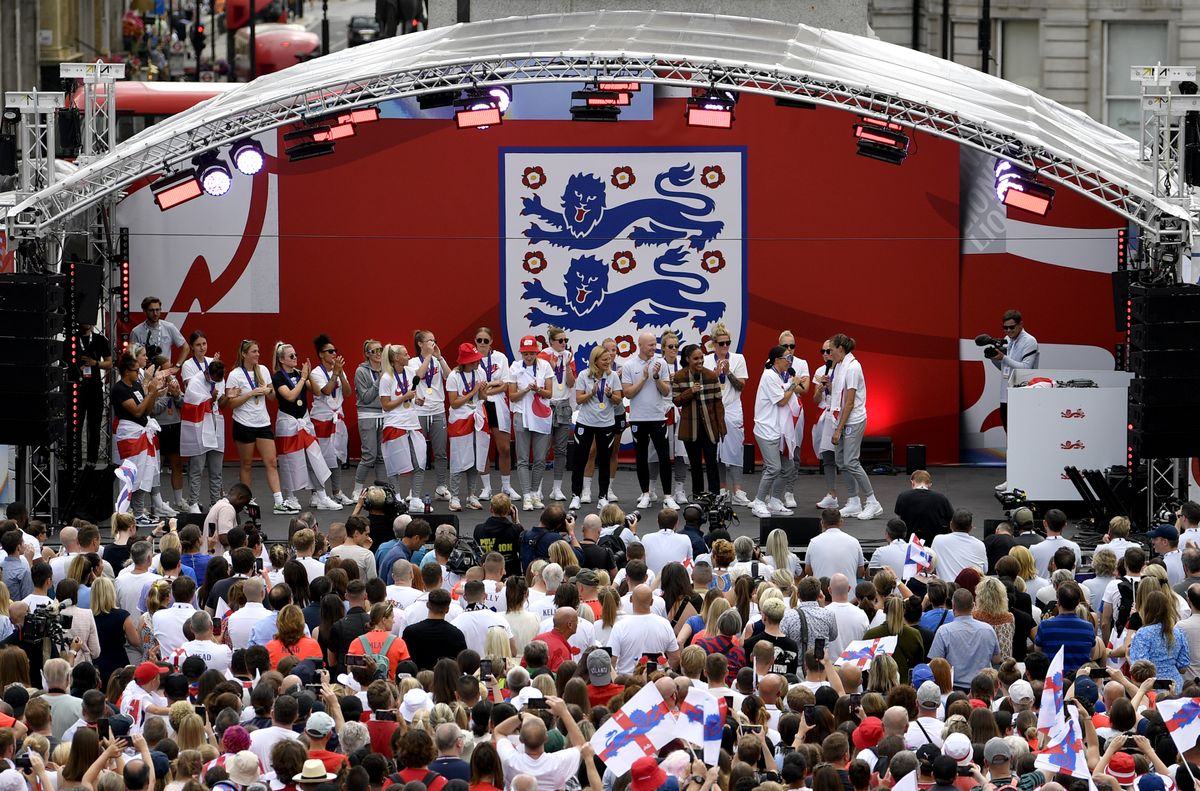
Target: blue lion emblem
[(587, 223), (588, 305)]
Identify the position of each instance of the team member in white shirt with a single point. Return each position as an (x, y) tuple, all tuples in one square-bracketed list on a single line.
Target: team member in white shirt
[(202, 431), (494, 369), (531, 385), (731, 371), (798, 369), (402, 441), (216, 655), (848, 405), (198, 362), (644, 379), (676, 453), (778, 393), (665, 544), (598, 394), (248, 388), (429, 368), (562, 402), (640, 633), (468, 441), (329, 385), (834, 551), (958, 549)]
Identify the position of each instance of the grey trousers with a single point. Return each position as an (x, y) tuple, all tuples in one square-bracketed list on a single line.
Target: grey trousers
[(531, 456), (562, 448), (846, 454), (213, 460), (434, 427), (775, 464), (830, 467), (457, 490), (369, 432)]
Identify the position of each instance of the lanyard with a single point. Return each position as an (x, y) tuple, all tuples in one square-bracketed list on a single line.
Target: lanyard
[(202, 364), (717, 360), (336, 385), (251, 378), (463, 376), (487, 368), (560, 367), (600, 388), (429, 372), (401, 384)]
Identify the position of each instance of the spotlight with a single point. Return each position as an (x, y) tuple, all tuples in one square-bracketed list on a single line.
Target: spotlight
[(247, 156), (309, 150), (503, 97), (429, 101), (625, 87), (363, 115), (1020, 189), (479, 109), (214, 175), (598, 105), (312, 141), (882, 140), (174, 190), (334, 133), (712, 109)]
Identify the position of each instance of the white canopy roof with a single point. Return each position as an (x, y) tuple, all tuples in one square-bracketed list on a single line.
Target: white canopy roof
[(856, 73)]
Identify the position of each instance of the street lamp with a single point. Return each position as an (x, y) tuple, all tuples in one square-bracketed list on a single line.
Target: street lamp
[(324, 27)]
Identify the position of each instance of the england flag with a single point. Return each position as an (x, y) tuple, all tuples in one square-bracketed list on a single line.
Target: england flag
[(1050, 715), (639, 728), (1182, 718), (1065, 752), (861, 652), (917, 558)]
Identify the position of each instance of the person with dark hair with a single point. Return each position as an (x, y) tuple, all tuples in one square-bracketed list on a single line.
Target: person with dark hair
[(94, 357), (778, 394), (358, 547), (926, 512), (134, 437), (415, 752), (1021, 352), (958, 549), (431, 639), (329, 385), (157, 334), (848, 405), (891, 555), (644, 379), (967, 644), (202, 431), (1055, 521), (699, 393)]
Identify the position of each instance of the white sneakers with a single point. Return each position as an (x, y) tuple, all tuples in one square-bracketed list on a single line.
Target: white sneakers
[(853, 507), (669, 502), (828, 501), (612, 496), (455, 505), (602, 503), (680, 497), (537, 500), (740, 498), (759, 509), (486, 494), (474, 504), (194, 508), (527, 502), (789, 500), (1002, 487), (293, 503), (416, 505), (557, 494), (574, 506), (323, 502), (341, 497), (871, 510), (161, 509), (777, 508), (511, 492), (644, 500), (441, 493)]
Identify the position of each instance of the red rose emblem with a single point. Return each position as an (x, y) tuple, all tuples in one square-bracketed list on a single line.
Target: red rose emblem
[(712, 261), (533, 177), (623, 262), (625, 345), (706, 343), (712, 176), (534, 262), (623, 178)]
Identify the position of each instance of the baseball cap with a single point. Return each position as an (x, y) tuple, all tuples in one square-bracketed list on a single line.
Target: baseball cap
[(1164, 531), (958, 747), (1151, 782), (599, 668), (868, 733), (1021, 692), (162, 764), (1023, 517), (147, 672), (319, 724), (529, 344), (996, 751), (646, 774), (587, 578), (927, 752), (920, 674), (929, 695), (1122, 769), (119, 725), (1086, 690)]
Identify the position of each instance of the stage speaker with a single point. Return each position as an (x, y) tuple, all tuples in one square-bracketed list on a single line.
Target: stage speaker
[(1165, 337), (800, 529), (914, 458), (877, 452), (1182, 442), (1120, 292), (1171, 364), (92, 496), (185, 519), (31, 351), (32, 293), (748, 458), (31, 325), (1159, 392), (1164, 304), (89, 286), (31, 379), (448, 518)]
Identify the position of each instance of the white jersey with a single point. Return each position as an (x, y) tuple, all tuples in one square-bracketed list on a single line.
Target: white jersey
[(558, 368), (404, 416), (216, 656), (431, 387), (848, 375), (494, 368), (192, 366), (523, 375), (325, 407), (730, 396), (461, 382), (772, 420), (252, 413), (647, 404)]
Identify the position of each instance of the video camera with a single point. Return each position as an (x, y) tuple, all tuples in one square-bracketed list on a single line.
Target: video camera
[(717, 508), (393, 506), (992, 347), (45, 622)]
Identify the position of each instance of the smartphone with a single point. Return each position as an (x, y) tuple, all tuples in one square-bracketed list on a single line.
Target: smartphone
[(1162, 683), (385, 715), (651, 658), (855, 701), (313, 687), (810, 714), (729, 702), (23, 763), (202, 711), (318, 663), (607, 649), (485, 668), (258, 565), (965, 771), (102, 728), (1097, 673), (356, 660), (537, 703), (752, 729), (216, 627), (819, 649)]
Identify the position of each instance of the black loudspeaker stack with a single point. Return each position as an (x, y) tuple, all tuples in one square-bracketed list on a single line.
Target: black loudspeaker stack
[(800, 529), (1164, 356), (32, 402)]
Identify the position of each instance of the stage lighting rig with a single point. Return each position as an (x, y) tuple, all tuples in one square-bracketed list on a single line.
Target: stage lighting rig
[(881, 140), (214, 175), (1020, 189), (712, 109), (170, 191), (598, 104), (480, 108), (247, 156)]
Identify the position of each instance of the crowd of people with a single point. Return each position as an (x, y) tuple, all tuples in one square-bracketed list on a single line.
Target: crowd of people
[(383, 652), (417, 410)]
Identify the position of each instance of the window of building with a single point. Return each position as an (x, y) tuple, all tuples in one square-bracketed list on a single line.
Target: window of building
[(1129, 44), (1018, 46)]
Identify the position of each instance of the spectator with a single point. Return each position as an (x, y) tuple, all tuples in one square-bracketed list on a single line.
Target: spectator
[(958, 549), (968, 645), (926, 512)]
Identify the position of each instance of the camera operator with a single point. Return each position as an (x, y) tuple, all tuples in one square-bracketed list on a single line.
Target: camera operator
[(158, 335), (40, 634), (1022, 352)]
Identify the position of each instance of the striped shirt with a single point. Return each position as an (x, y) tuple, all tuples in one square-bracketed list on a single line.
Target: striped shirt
[(1070, 632), (700, 413)]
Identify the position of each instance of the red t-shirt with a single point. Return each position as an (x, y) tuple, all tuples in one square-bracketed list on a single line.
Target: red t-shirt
[(560, 649), (381, 736), (333, 761), (419, 775), (600, 696)]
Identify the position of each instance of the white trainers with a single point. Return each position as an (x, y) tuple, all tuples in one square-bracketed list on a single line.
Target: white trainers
[(416, 505), (527, 502), (853, 507), (574, 506), (669, 502), (455, 505), (644, 501), (587, 495), (602, 503), (1002, 487), (292, 502), (828, 501), (330, 503), (180, 506), (354, 495), (340, 497), (557, 494), (789, 500), (194, 508), (759, 509), (612, 496), (162, 510), (777, 508), (284, 508), (323, 503), (474, 504), (486, 494), (653, 492), (871, 510), (740, 498), (680, 496), (537, 500), (511, 492), (442, 493)]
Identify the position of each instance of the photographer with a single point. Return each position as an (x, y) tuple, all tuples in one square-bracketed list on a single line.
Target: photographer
[(1021, 352), (158, 335)]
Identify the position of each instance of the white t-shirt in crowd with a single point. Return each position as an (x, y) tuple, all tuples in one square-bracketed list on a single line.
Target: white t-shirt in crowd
[(264, 739), (314, 567), (240, 623), (851, 624), (419, 611), (474, 625), (647, 405), (431, 387), (956, 551), (657, 605), (635, 635), (730, 396), (848, 375), (890, 555), (664, 546), (168, 626), (552, 770), (834, 551), (252, 413), (216, 656), (1043, 553), (1118, 545), (129, 588)]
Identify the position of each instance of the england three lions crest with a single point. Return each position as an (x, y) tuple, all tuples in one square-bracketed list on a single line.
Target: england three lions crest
[(611, 243)]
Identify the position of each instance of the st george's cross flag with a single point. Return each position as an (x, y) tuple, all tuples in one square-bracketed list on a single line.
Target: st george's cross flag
[(907, 783), (917, 558), (861, 652), (1182, 718), (639, 728), (1050, 715), (700, 722), (127, 474), (1065, 751)]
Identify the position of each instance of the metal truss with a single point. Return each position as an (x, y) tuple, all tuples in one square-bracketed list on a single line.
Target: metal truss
[(99, 105), (315, 98), (39, 480), (1166, 485), (37, 133)]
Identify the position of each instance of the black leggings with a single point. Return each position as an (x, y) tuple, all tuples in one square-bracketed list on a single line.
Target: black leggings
[(702, 452), (584, 436), (645, 432)]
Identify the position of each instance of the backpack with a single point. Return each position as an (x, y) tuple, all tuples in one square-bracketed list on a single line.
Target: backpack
[(1126, 589), (535, 544), (613, 543), (466, 553), (756, 573), (381, 659)]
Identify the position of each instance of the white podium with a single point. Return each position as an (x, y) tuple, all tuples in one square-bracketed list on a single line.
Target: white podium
[(1054, 427)]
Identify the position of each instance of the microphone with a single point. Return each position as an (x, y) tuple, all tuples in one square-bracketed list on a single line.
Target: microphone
[(828, 367)]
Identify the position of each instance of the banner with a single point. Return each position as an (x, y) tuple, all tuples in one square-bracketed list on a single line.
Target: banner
[(639, 728), (861, 652)]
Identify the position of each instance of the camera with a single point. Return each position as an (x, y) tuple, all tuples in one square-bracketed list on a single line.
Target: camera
[(153, 351), (393, 506), (717, 509), (633, 516), (45, 623), (23, 763), (992, 347)]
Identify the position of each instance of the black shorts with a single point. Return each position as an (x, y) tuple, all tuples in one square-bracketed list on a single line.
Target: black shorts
[(168, 439), (248, 435)]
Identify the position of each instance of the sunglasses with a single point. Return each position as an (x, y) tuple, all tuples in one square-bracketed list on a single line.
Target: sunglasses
[(670, 347), (788, 345), (1009, 326), (827, 351), (724, 343), (291, 356), (375, 351), (482, 341), (329, 351), (558, 340)]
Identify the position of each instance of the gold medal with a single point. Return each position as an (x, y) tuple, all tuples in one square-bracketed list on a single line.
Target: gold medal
[(604, 405)]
